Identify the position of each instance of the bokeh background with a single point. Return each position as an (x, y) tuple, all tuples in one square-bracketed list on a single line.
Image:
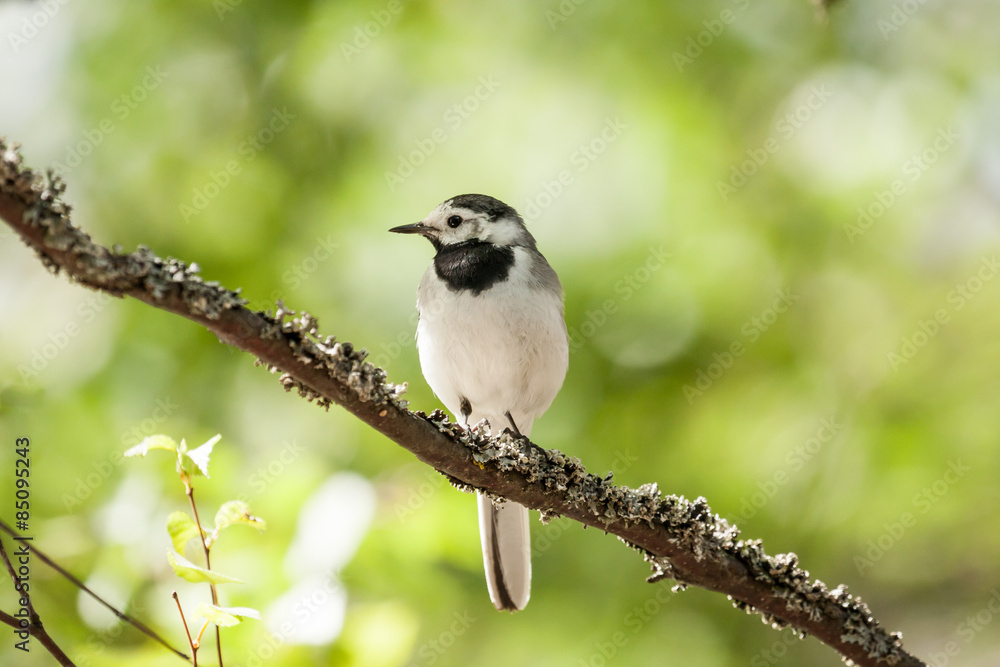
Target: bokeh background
[(778, 235)]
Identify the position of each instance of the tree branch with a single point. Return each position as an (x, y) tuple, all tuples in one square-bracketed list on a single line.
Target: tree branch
[(683, 540)]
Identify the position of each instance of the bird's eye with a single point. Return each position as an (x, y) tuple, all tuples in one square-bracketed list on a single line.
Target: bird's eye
[(454, 221)]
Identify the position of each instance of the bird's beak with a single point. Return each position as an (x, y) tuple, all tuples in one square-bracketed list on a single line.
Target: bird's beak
[(415, 228)]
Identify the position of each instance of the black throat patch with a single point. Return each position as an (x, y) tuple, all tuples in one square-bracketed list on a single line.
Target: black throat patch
[(473, 265)]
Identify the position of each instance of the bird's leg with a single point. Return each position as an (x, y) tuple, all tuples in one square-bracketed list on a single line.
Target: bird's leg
[(517, 432)]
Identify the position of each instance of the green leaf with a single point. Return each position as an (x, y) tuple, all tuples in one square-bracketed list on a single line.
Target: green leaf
[(182, 529), (195, 461), (237, 512), (225, 617), (188, 571), (152, 442)]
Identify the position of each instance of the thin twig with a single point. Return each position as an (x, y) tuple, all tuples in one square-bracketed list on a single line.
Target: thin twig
[(39, 632), (208, 565), (194, 648), (34, 627), (137, 624)]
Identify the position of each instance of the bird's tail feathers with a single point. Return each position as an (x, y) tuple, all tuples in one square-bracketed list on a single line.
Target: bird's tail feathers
[(506, 545)]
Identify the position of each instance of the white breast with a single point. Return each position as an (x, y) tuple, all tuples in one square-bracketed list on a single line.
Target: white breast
[(504, 349)]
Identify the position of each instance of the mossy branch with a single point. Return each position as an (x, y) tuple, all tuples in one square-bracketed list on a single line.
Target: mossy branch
[(683, 540)]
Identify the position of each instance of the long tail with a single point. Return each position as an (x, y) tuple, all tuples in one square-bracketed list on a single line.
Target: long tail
[(506, 542)]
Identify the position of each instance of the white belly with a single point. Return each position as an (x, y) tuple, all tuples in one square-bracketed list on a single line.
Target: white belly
[(501, 352)]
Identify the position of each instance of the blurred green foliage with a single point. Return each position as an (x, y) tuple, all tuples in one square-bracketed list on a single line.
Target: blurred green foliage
[(778, 240)]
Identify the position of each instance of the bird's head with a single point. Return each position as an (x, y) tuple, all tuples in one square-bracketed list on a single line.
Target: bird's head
[(471, 219)]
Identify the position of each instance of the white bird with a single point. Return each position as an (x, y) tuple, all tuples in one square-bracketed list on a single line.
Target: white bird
[(492, 343)]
